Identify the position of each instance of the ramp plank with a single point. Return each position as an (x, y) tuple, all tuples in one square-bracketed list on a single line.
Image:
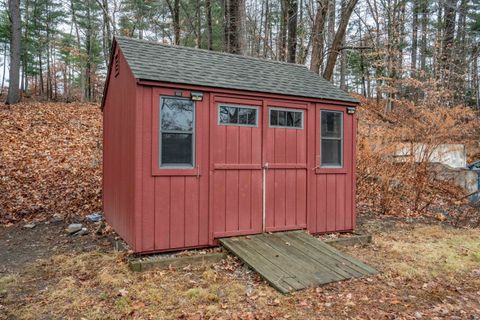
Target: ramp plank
[(295, 260)]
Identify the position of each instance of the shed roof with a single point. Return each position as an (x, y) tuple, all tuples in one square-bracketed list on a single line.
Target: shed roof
[(158, 62)]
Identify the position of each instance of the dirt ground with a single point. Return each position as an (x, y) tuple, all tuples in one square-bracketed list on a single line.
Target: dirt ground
[(427, 271)]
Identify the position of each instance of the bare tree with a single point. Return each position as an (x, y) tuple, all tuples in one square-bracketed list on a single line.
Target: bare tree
[(282, 41), (448, 39), (15, 35), (208, 7), (413, 59), (318, 35), (235, 31), (292, 30), (175, 12), (424, 34), (337, 40)]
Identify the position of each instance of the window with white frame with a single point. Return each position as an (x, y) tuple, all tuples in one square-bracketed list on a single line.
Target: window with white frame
[(331, 136), (286, 118), (177, 132), (237, 115)]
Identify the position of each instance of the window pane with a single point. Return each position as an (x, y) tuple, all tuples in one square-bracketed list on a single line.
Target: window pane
[(224, 116), (232, 115), (298, 119), (290, 116), (282, 118), (331, 152), (252, 116), (177, 149), (331, 124), (273, 117), (177, 114), (243, 115)]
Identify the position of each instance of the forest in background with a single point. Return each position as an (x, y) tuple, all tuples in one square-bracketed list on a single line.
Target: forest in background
[(388, 50)]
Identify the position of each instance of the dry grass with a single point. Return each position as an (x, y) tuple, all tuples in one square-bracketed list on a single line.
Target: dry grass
[(438, 250), (426, 269)]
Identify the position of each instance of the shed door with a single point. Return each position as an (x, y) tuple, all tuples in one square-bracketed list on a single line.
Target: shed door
[(236, 167), (285, 158)]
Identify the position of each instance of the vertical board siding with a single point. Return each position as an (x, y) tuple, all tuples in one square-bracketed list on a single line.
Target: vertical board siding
[(236, 193), (286, 206), (119, 118), (244, 199), (177, 212), (174, 212), (219, 204), (160, 213), (231, 200), (149, 224), (333, 192)]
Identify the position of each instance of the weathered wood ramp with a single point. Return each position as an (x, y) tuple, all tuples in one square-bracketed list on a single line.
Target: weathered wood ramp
[(295, 260)]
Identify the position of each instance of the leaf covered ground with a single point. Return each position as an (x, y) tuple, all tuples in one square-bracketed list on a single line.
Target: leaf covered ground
[(426, 271), (50, 160)]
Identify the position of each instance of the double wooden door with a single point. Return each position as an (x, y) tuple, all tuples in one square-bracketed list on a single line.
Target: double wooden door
[(258, 166)]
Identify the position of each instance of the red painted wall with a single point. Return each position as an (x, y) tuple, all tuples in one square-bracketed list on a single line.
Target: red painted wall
[(332, 191), (118, 152), (169, 209), (173, 204)]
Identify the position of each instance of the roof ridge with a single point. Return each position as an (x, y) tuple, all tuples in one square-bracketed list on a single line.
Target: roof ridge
[(210, 51)]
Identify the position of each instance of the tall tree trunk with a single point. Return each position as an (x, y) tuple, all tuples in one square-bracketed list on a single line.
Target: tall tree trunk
[(438, 41), (292, 30), (175, 12), (343, 70), (424, 34), (48, 40), (332, 10), (413, 57), (448, 39), (282, 41), (24, 50), (208, 5), (460, 74), (54, 74), (318, 36), (4, 67), (475, 81), (198, 26), (40, 74), (362, 62), (107, 33), (235, 30), (79, 49), (88, 64), (266, 29), (15, 35), (337, 41)]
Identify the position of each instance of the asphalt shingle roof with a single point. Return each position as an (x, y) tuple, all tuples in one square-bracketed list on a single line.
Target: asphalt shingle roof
[(158, 62)]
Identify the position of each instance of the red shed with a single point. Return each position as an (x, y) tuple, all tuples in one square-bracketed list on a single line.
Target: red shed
[(200, 145)]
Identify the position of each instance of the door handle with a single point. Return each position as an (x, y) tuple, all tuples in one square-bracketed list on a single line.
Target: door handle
[(265, 165)]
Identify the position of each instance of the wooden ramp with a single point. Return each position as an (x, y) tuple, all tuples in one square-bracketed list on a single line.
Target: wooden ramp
[(295, 260)]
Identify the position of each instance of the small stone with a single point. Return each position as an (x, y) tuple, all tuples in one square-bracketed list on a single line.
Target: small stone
[(82, 232), (57, 217), (30, 225), (74, 228), (418, 315)]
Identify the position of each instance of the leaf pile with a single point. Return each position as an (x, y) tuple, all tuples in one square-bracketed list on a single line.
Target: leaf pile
[(50, 160)]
